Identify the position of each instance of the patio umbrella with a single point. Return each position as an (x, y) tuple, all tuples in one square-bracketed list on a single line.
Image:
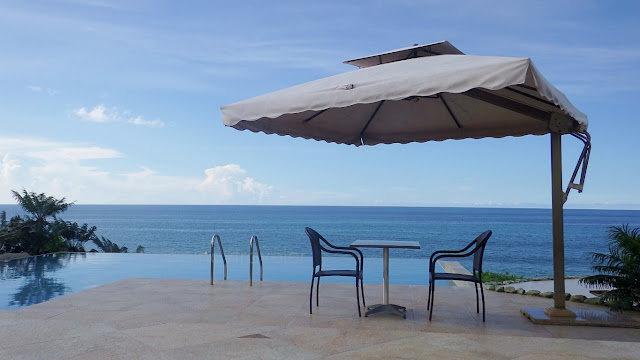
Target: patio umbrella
[(425, 93)]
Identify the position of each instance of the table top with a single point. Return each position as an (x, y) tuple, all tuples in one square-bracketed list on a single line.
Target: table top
[(386, 244)]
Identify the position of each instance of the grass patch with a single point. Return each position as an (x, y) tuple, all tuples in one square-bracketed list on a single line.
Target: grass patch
[(490, 277)]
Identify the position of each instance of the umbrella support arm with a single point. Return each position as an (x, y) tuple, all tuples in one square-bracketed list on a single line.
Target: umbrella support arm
[(583, 162), (557, 202)]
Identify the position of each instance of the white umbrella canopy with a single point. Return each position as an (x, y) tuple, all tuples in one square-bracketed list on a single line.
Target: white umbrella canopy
[(430, 93), (437, 48), (419, 99)]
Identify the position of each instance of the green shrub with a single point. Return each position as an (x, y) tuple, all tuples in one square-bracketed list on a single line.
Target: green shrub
[(492, 277)]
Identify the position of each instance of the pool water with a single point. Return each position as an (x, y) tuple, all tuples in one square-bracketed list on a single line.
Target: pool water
[(37, 279)]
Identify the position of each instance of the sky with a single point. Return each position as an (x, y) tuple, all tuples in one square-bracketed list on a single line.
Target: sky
[(118, 102)]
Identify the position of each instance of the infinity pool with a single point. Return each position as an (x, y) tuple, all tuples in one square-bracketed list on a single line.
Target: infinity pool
[(37, 279)]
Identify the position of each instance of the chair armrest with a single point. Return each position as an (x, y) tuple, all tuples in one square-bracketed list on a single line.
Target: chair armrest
[(348, 249), (361, 257), (345, 252), (432, 260), (443, 256)]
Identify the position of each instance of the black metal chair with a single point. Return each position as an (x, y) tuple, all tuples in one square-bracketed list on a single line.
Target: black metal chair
[(317, 248), (475, 248)]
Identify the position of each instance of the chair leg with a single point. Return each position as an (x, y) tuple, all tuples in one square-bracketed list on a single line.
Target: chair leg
[(311, 295), (362, 291), (477, 300), (429, 294), (432, 293), (482, 291), (318, 292), (358, 298)]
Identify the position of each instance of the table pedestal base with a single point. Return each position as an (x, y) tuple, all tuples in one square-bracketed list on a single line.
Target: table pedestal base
[(391, 308)]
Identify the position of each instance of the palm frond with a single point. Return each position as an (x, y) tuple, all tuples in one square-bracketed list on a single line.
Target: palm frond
[(619, 270)]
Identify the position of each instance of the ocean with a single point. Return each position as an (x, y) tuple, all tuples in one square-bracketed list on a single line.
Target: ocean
[(521, 243)]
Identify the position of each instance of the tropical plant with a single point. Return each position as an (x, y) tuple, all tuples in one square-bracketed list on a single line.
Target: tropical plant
[(40, 206), (3, 219), (74, 235), (13, 233), (619, 269), (42, 231), (33, 234), (24, 235), (107, 246)]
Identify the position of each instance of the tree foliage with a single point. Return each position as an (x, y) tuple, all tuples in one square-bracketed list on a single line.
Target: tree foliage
[(42, 231), (40, 206), (74, 235), (109, 247), (619, 269)]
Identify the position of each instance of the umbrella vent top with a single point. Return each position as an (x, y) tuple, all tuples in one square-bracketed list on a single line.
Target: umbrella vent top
[(437, 48)]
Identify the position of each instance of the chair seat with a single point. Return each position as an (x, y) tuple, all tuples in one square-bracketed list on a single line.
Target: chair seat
[(337, 273), (454, 276)]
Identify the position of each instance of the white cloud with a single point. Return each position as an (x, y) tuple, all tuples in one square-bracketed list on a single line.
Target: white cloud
[(102, 114), (98, 4), (75, 171), (229, 182), (75, 153), (151, 123), (250, 185), (97, 114), (39, 89), (8, 167)]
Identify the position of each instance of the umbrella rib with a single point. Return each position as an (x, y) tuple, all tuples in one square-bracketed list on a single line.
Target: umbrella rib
[(526, 87), (412, 54), (509, 104), (429, 51), (314, 115), (531, 96), (449, 110), (369, 122)]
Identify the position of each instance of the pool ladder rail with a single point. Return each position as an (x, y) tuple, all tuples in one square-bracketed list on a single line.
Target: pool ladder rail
[(224, 258), (254, 240)]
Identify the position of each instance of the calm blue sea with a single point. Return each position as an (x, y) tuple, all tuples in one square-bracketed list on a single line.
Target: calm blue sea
[(521, 242)]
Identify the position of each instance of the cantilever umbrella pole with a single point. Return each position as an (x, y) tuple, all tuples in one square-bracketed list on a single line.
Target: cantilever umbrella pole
[(557, 202)]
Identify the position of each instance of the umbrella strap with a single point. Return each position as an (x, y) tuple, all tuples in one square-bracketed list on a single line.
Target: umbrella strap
[(583, 162)]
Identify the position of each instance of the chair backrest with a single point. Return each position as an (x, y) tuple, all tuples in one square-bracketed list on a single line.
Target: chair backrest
[(316, 249), (481, 242)]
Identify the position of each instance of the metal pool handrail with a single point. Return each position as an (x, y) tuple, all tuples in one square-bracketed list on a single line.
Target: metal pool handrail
[(254, 239), (224, 259)]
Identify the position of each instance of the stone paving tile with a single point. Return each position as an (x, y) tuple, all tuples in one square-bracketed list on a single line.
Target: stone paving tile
[(183, 335), (585, 349), (329, 341), (494, 346), (244, 348), (89, 345), (588, 333), (27, 332), (190, 319), (407, 348), (317, 321)]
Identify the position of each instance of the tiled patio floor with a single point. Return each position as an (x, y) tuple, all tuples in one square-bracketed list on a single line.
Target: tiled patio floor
[(189, 319)]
